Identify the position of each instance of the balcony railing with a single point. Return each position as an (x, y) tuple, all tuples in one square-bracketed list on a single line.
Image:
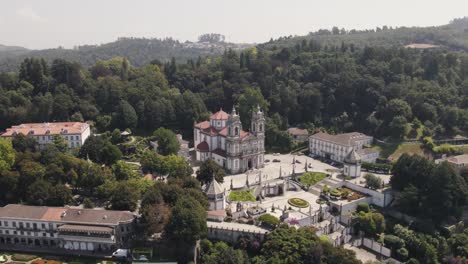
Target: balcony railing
[(88, 238)]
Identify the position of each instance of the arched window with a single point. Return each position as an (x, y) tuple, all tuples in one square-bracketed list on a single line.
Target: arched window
[(260, 128), (236, 131), (253, 128)]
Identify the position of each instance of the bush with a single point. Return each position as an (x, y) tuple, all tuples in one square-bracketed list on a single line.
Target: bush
[(372, 181), (363, 207), (335, 193), (402, 254), (269, 220), (87, 203), (393, 242)]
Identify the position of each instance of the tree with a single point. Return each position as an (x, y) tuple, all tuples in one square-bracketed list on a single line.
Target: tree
[(87, 203), (38, 193), (210, 170), (371, 224), (188, 221), (7, 155), (167, 141), (373, 181), (124, 197), (123, 171), (110, 154), (269, 220), (22, 143), (125, 117), (397, 128), (155, 217)]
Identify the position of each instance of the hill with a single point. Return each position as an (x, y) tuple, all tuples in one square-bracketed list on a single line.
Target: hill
[(6, 51), (453, 36), (139, 51)]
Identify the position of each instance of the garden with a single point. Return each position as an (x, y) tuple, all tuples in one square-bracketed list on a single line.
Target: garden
[(342, 193), (312, 178), (298, 202), (241, 196)]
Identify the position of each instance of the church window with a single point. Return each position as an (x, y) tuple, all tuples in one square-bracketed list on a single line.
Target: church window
[(253, 128), (260, 128), (236, 131)]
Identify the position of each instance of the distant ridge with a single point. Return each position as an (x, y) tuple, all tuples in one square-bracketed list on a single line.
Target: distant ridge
[(139, 51)]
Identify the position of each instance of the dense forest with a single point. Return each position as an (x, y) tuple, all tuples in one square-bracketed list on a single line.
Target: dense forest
[(453, 36), (377, 90), (140, 51)]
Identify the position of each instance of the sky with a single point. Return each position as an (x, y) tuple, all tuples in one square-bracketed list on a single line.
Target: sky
[(39, 24)]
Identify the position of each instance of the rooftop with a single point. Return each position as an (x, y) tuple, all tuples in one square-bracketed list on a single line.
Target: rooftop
[(220, 115), (43, 129), (297, 131), (65, 215), (213, 188), (347, 139), (460, 159)]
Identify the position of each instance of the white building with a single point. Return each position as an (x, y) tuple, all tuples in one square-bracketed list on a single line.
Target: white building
[(458, 161), (74, 133), (49, 228), (352, 164), (336, 147), (298, 134), (223, 140)]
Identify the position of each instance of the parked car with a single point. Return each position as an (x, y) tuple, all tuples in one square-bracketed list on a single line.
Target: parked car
[(297, 161), (143, 258), (121, 254), (276, 160), (267, 160)]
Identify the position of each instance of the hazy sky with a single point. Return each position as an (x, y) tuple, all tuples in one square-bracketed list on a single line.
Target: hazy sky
[(53, 23)]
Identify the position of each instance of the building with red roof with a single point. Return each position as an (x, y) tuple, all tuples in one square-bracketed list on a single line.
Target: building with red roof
[(223, 140), (74, 133)]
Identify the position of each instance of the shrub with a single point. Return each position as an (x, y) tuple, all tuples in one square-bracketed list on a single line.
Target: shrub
[(363, 207), (393, 242), (402, 254), (87, 203), (269, 220), (335, 193), (372, 181)]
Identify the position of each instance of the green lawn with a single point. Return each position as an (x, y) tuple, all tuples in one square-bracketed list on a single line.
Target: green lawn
[(393, 151), (241, 196), (311, 178), (409, 148)]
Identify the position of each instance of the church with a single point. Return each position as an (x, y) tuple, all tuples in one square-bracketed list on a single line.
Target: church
[(223, 140)]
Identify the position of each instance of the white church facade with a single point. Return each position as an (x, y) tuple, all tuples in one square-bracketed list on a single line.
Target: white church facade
[(223, 140)]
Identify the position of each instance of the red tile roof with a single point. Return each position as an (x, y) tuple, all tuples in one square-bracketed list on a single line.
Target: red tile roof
[(220, 115), (42, 129), (203, 147), (203, 125)]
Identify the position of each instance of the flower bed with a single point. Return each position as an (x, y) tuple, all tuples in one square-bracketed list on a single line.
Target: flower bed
[(45, 261), (241, 196), (23, 257), (298, 202)]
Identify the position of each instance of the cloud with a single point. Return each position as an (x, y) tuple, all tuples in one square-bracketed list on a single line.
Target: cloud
[(27, 12)]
